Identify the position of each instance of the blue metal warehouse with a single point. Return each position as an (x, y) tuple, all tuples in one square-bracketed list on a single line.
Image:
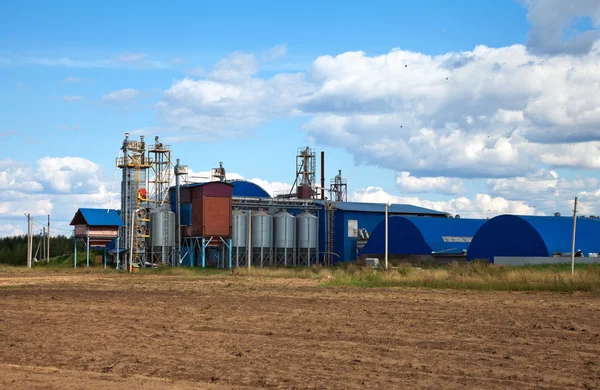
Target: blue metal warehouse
[(350, 217), (423, 236), (528, 236)]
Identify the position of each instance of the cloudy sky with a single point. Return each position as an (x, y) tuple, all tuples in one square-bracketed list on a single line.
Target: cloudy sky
[(472, 107)]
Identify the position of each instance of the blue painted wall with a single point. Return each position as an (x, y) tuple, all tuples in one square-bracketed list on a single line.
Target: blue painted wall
[(517, 236), (346, 246), (421, 235)]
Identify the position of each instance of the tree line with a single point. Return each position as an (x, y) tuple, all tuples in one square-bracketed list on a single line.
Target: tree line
[(13, 250)]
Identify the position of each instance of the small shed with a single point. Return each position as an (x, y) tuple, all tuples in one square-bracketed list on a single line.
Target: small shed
[(101, 226)]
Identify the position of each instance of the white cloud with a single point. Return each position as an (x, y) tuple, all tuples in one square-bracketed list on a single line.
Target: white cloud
[(68, 174), (235, 66), (131, 57), (549, 192), (178, 60), (56, 186), (412, 184), (271, 187), (9, 230), (8, 133), (552, 26), (72, 99), (122, 95), (16, 176), (480, 206), (275, 53), (230, 101), (489, 112)]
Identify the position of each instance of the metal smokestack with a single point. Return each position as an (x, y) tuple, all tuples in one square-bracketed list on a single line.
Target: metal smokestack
[(322, 175)]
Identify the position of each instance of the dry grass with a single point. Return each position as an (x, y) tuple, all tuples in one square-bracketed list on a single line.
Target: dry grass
[(473, 276), (476, 276)]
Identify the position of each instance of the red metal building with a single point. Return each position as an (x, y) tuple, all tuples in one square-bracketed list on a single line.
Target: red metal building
[(211, 209)]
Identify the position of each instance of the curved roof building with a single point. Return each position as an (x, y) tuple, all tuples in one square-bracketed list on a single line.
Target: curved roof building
[(531, 236), (422, 236), (248, 189)]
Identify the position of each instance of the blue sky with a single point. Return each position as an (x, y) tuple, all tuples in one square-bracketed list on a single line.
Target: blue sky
[(75, 77)]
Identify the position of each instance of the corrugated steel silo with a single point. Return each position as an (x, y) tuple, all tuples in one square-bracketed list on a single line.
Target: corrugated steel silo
[(284, 228), (307, 233), (262, 238), (162, 235), (239, 238)]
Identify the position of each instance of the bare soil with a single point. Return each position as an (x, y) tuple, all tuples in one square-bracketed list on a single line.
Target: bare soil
[(109, 331)]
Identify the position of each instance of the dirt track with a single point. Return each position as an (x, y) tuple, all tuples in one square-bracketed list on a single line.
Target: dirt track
[(154, 332)]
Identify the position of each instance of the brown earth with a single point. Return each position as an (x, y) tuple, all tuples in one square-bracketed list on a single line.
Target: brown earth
[(96, 331)]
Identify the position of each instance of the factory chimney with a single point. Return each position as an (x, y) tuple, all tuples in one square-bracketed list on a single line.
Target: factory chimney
[(322, 175)]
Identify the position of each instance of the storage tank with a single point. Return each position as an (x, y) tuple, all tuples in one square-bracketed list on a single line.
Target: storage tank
[(306, 227), (284, 228), (162, 235), (239, 239), (262, 238)]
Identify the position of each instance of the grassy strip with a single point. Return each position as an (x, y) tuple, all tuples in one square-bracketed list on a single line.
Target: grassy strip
[(473, 276), (477, 276)]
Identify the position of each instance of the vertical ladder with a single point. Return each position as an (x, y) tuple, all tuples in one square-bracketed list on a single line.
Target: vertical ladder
[(330, 232)]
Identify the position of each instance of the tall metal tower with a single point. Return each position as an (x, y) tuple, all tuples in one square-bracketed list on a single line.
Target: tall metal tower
[(306, 168), (161, 169), (338, 191), (180, 170), (218, 173), (134, 200), (339, 188)]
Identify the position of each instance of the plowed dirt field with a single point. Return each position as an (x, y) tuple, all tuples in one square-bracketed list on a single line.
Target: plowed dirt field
[(110, 331)]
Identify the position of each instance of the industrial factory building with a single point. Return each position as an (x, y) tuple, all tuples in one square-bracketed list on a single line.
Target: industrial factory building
[(168, 219), (422, 239), (341, 230), (533, 236)]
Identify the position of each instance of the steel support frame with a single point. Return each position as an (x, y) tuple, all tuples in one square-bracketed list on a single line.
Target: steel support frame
[(240, 255), (284, 257), (219, 255)]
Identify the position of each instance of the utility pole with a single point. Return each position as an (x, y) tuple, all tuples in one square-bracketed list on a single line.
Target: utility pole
[(386, 234), (573, 239), (43, 242), (48, 247), (29, 240)]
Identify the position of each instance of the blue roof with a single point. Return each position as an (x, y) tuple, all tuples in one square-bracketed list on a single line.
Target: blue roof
[(422, 236), (380, 208), (248, 189), (513, 235), (97, 217)]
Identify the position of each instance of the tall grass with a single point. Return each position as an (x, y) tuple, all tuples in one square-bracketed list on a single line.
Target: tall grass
[(474, 276), (477, 276)]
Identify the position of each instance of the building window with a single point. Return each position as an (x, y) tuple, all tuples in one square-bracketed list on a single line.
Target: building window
[(352, 228)]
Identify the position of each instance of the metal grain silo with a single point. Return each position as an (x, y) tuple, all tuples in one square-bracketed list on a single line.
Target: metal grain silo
[(239, 239), (307, 233), (162, 236), (262, 238), (284, 229)]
